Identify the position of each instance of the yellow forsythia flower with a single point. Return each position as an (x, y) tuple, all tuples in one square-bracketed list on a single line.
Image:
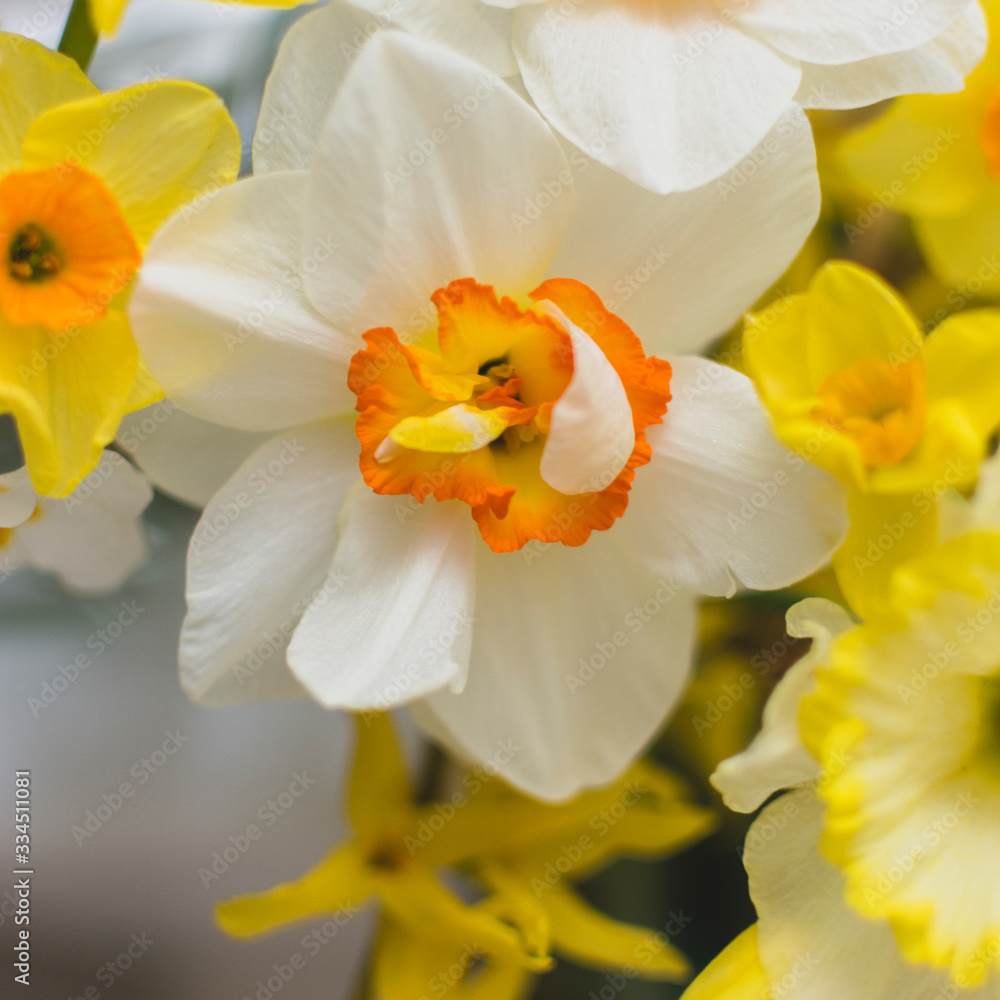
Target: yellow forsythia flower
[(524, 854)]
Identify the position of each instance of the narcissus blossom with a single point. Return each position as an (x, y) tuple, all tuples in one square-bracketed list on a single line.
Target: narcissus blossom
[(880, 865), (91, 540), (488, 496), (85, 179), (852, 384), (672, 95), (937, 159)]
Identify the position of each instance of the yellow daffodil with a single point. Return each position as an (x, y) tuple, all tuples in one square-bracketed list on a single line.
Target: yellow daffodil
[(852, 385), (85, 179), (911, 702), (876, 877), (936, 157), (523, 853)]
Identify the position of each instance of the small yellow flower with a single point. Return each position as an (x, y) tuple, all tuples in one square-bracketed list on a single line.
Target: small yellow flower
[(85, 179), (853, 385), (523, 854)]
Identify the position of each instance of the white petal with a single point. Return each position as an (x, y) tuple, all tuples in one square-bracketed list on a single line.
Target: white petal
[(777, 758), (591, 435), (400, 626), (220, 315), (938, 67), (480, 31), (423, 170), (669, 96), (722, 501), (578, 655), (308, 70), (260, 553), (92, 540), (683, 268), (17, 497), (188, 458), (812, 945), (985, 505), (844, 31)]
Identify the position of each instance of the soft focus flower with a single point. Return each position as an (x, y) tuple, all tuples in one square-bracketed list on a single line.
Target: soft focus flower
[(85, 179), (522, 854), (937, 158), (91, 540), (427, 270), (891, 730), (673, 95), (852, 384)]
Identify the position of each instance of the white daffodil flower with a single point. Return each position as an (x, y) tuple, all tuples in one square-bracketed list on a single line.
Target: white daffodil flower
[(674, 94), (428, 258), (91, 540)]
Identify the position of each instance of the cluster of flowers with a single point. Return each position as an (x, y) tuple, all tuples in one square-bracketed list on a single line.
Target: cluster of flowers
[(438, 374)]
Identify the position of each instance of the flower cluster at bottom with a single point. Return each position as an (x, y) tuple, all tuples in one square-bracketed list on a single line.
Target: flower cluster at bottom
[(482, 880)]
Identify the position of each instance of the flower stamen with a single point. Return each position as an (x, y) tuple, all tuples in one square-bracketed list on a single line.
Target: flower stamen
[(32, 255)]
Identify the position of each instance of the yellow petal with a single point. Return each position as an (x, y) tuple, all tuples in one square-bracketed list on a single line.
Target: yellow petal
[(775, 349), (380, 795), (106, 14), (884, 532), (735, 974), (459, 428), (145, 390), (407, 966), (589, 938), (513, 902), (418, 901), (156, 145), (963, 364), (337, 884), (645, 814), (67, 391), (947, 457), (854, 316), (921, 156), (961, 249), (33, 79)]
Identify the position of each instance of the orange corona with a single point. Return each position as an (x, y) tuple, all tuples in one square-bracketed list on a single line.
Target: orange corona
[(466, 418), (879, 405), (67, 247)]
